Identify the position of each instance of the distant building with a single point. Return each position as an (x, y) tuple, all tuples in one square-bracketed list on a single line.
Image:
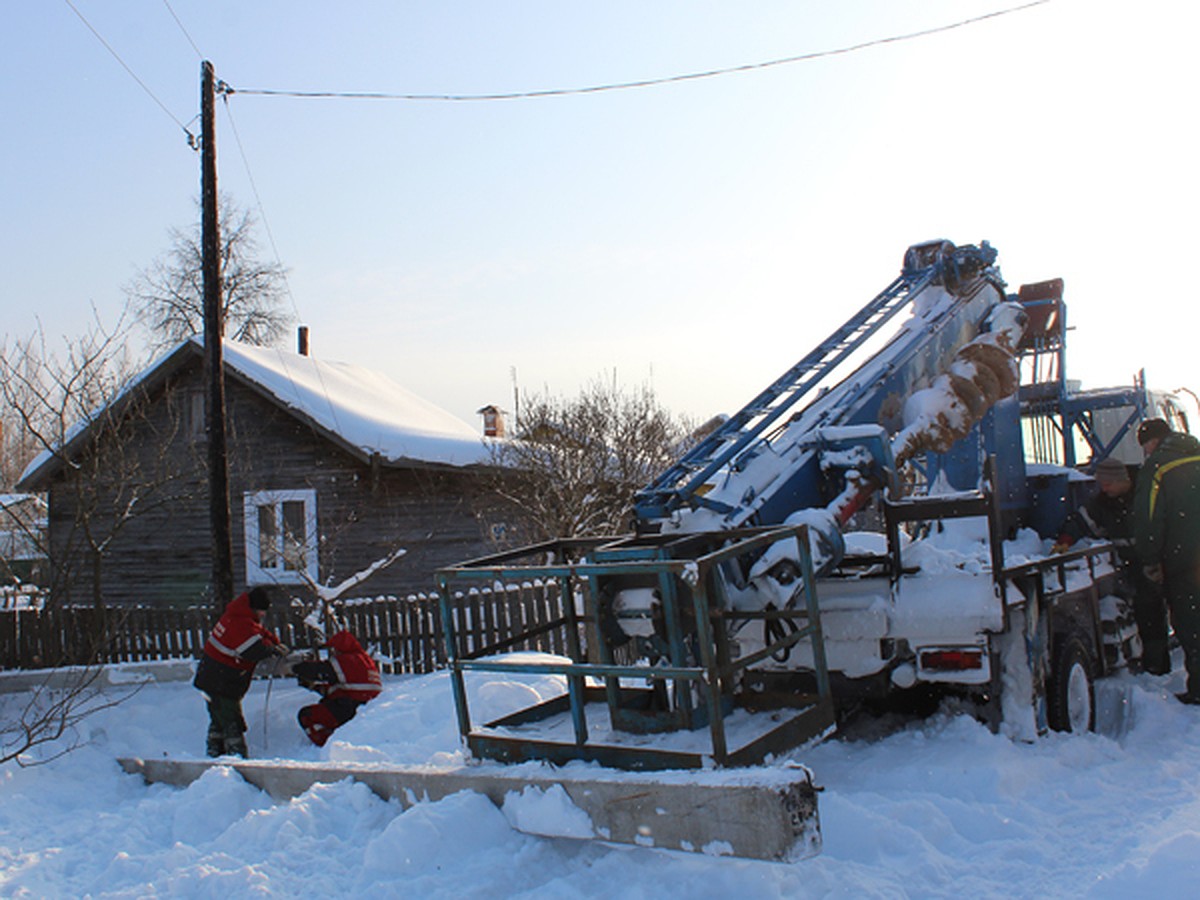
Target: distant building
[(22, 539)]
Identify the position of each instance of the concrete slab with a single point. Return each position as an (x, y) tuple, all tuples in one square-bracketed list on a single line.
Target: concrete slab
[(768, 814)]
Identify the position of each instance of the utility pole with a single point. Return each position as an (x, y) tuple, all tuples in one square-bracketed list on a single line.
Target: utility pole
[(214, 331)]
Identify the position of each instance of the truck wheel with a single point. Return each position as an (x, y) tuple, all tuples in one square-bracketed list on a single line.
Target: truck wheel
[(1070, 692)]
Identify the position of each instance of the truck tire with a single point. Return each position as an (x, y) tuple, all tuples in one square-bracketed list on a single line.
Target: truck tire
[(1070, 690)]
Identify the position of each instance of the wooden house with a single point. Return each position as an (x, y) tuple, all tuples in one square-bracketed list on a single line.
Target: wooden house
[(332, 468)]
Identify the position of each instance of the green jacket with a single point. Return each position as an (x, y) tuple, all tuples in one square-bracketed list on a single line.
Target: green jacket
[(1167, 507)]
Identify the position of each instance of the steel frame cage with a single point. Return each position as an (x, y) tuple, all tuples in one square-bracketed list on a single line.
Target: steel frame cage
[(699, 657)]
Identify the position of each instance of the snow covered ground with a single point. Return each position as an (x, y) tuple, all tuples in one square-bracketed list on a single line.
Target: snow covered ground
[(935, 808)]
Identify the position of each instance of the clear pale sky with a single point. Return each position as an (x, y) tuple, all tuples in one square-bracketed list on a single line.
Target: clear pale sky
[(700, 235)]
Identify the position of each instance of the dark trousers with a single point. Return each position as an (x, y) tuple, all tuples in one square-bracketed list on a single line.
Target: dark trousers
[(1183, 599), (1150, 613), (226, 727)]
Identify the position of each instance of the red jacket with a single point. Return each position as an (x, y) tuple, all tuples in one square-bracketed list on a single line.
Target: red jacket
[(357, 675), (238, 639)]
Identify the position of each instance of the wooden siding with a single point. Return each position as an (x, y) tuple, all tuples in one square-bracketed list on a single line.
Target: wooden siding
[(160, 555)]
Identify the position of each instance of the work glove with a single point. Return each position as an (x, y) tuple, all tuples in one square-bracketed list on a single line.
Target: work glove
[(281, 649), (1060, 547), (1154, 573)]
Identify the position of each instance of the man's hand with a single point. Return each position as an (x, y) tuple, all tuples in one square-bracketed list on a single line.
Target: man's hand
[(281, 650), (1154, 573)]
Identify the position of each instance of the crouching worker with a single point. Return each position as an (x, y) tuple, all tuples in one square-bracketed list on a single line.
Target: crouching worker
[(345, 681), (237, 644)]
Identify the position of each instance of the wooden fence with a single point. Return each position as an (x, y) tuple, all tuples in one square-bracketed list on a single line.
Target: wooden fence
[(405, 635)]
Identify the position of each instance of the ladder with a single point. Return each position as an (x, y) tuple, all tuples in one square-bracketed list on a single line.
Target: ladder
[(679, 485)]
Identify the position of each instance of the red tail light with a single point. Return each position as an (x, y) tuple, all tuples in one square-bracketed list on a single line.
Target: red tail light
[(951, 660)]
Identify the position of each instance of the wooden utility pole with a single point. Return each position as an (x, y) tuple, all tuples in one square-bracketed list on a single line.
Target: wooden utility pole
[(214, 331)]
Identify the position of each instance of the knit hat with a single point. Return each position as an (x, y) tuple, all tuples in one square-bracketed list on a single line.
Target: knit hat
[(1112, 470), (260, 599), (1152, 429)]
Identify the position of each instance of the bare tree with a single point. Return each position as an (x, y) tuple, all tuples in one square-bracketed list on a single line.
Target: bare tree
[(574, 464), (17, 446), (46, 392), (47, 717), (47, 396), (80, 407), (169, 294)]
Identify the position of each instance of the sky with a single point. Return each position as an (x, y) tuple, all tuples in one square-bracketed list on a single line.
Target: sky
[(699, 236), (939, 807)]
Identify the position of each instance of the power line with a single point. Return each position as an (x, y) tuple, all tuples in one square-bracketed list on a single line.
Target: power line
[(132, 74), (237, 139), (184, 30), (287, 284), (223, 89), (193, 142), (648, 82)]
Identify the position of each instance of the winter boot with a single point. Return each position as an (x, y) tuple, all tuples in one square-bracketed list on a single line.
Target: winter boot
[(318, 723), (216, 741), (235, 736), (235, 745)]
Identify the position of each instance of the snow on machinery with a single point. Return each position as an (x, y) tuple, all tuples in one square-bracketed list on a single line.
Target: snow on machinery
[(867, 526), (892, 484)]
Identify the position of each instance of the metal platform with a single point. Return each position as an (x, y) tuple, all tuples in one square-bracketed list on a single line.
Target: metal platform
[(682, 707)]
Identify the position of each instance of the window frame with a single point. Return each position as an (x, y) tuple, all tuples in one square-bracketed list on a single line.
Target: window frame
[(256, 572)]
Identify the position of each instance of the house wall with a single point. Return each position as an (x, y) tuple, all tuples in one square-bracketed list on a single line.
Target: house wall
[(364, 513), (161, 555), (127, 523)]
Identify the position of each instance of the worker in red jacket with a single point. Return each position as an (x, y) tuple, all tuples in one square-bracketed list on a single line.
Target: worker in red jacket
[(346, 680), (238, 642)]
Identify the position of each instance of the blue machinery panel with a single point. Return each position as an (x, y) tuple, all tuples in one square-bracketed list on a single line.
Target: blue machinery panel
[(964, 270)]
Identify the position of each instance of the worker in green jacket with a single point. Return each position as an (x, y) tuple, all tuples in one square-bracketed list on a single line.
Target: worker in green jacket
[(1167, 530), (1108, 515)]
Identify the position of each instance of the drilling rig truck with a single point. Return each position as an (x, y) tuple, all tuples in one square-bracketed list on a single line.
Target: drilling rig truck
[(873, 526)]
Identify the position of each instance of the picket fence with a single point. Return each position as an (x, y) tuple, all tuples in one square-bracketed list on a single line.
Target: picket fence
[(404, 634)]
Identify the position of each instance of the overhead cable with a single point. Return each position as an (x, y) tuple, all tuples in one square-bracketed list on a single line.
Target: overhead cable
[(184, 30), (287, 285), (132, 74), (648, 82)]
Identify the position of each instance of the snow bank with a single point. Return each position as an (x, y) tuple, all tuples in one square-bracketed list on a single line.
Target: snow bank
[(935, 808)]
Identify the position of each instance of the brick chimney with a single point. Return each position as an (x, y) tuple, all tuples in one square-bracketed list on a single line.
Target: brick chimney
[(493, 421)]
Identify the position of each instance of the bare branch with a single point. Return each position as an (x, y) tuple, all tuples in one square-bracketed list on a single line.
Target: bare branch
[(574, 465), (329, 594), (169, 293), (48, 716)]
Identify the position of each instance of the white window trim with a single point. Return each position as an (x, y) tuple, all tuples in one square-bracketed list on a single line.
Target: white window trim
[(255, 573)]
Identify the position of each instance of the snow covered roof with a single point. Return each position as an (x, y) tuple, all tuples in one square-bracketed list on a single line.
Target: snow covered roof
[(363, 411), (12, 501), (367, 411)]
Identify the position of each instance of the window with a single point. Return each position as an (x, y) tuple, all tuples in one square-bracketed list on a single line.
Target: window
[(281, 537), (194, 423)]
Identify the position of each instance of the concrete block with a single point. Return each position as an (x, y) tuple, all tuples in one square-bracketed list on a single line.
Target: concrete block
[(768, 813)]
